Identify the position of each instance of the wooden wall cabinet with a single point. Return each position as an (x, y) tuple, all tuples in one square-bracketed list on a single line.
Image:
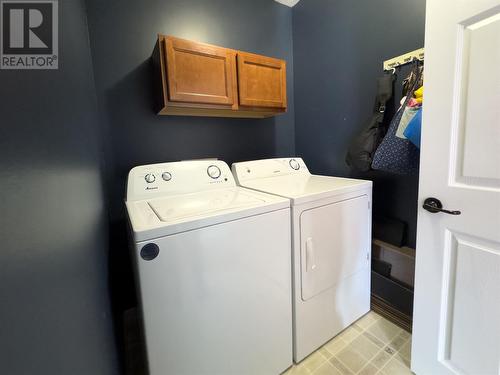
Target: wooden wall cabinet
[(261, 81), (199, 79)]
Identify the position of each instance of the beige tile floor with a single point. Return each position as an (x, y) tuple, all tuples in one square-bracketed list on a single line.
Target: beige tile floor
[(372, 345)]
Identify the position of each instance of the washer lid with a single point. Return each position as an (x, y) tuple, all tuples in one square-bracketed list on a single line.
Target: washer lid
[(302, 188), (204, 203), (158, 217)]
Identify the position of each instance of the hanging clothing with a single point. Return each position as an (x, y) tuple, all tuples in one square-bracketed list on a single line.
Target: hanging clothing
[(397, 155), (413, 107), (414, 129), (407, 116), (419, 95), (414, 80), (413, 103)]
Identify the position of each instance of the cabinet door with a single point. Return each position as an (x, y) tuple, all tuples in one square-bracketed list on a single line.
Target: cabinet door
[(261, 81), (200, 73)]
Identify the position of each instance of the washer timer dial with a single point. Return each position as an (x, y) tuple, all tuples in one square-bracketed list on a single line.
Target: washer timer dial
[(214, 172), (150, 178)]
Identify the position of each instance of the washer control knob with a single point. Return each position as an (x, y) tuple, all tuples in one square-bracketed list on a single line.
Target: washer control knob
[(214, 172), (167, 176), (150, 178), (294, 164)]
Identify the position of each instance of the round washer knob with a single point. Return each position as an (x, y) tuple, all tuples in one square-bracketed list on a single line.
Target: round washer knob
[(294, 164), (167, 176), (214, 172), (150, 178)]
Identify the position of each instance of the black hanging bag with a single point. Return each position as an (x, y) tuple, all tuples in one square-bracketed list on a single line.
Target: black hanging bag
[(360, 153)]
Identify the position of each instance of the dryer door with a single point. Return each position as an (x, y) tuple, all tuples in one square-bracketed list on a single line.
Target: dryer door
[(334, 244)]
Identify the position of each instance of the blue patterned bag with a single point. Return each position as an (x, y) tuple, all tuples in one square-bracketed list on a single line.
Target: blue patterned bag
[(394, 154)]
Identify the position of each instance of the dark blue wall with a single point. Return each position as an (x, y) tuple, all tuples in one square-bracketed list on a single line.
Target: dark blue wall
[(55, 315), (122, 35), (56, 134), (339, 47)]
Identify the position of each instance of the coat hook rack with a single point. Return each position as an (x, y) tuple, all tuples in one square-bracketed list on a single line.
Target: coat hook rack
[(404, 59)]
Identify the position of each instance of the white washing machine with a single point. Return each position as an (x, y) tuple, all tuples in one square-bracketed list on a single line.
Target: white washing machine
[(331, 245), (213, 269)]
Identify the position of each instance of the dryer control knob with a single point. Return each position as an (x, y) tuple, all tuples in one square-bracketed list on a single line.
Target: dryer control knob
[(294, 164), (167, 176), (213, 171), (150, 178)]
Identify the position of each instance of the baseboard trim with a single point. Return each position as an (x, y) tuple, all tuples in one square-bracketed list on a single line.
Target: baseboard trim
[(383, 308)]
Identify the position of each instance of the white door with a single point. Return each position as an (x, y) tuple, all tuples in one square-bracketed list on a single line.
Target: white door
[(457, 291)]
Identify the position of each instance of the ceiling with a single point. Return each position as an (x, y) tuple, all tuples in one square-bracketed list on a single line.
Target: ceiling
[(289, 3)]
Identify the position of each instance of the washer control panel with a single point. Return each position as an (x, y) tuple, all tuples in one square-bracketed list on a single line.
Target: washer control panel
[(164, 179), (294, 164)]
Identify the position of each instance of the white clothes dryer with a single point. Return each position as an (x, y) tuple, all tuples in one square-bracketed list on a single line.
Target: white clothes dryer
[(331, 245)]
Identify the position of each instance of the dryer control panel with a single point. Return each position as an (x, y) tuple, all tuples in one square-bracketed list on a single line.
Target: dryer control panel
[(165, 179), (250, 170)]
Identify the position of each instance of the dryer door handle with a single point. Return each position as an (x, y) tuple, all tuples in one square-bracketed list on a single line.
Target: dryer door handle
[(310, 261)]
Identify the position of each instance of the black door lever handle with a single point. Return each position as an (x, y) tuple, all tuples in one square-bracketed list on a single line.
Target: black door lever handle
[(434, 205)]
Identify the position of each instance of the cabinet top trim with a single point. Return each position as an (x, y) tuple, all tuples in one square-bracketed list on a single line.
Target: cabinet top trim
[(162, 37)]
